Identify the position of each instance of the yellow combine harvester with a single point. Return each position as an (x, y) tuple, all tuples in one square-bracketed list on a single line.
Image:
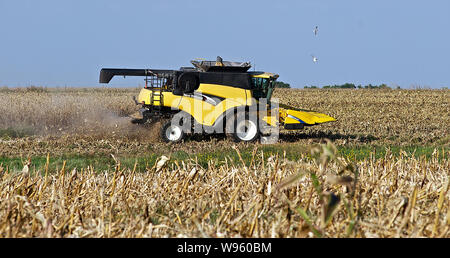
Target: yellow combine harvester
[(214, 97)]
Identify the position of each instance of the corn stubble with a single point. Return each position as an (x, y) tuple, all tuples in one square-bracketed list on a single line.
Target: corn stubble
[(398, 117), (321, 195)]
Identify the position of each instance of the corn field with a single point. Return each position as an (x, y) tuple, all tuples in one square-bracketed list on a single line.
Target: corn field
[(320, 193), (390, 197)]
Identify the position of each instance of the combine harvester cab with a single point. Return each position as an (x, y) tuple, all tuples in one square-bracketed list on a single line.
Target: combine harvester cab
[(214, 97)]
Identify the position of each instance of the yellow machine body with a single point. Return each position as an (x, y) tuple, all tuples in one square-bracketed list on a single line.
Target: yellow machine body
[(206, 109)]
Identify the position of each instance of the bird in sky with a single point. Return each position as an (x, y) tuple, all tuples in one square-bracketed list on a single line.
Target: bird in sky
[(314, 59), (316, 30)]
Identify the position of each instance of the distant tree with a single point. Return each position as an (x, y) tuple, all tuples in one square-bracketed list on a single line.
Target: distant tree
[(343, 86), (348, 86), (382, 86), (280, 84)]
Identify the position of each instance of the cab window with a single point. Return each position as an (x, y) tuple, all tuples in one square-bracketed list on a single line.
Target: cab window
[(261, 87)]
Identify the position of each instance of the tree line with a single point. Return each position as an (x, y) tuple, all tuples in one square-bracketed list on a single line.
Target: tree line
[(350, 86), (280, 84)]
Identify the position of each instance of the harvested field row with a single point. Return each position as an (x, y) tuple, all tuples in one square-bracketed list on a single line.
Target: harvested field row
[(363, 116), (319, 195)]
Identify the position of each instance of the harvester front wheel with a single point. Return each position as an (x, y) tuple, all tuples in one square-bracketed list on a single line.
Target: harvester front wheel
[(172, 132), (244, 128)]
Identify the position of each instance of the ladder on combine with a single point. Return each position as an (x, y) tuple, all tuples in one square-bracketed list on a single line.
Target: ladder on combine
[(156, 98), (157, 86)]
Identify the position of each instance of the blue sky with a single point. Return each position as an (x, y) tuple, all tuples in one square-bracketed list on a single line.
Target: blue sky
[(66, 43)]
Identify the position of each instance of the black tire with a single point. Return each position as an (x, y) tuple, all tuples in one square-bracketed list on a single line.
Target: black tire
[(172, 132), (243, 127)]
